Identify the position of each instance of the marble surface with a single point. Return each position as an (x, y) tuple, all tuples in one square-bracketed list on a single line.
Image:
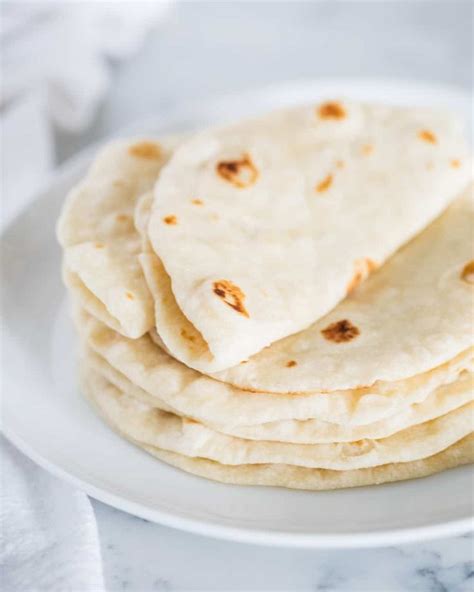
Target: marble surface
[(140, 556), (209, 48)]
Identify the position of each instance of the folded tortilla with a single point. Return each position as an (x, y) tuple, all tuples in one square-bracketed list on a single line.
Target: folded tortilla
[(262, 227), (97, 232)]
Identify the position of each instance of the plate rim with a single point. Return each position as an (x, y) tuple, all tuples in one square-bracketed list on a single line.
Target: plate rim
[(201, 526), (248, 535)]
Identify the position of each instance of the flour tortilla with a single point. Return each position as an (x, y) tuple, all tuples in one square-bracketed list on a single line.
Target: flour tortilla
[(293, 477), (170, 432), (460, 453), (265, 225), (97, 231), (192, 394), (312, 431), (415, 313)]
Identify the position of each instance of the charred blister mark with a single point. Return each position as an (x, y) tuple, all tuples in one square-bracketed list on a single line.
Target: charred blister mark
[(189, 421), (324, 184), (455, 163), (171, 220), (331, 110), (362, 269), (232, 295), (197, 202), (291, 363), (428, 136), (129, 296), (467, 273), (341, 331), (147, 150), (241, 173)]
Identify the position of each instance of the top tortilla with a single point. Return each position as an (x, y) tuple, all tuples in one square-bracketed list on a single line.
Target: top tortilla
[(265, 225)]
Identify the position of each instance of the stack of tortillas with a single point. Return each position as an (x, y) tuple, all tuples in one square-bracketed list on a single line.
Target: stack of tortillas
[(283, 301)]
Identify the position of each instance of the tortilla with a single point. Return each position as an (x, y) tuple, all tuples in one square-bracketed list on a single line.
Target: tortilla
[(416, 313), (265, 225), (192, 394), (97, 232), (444, 399), (293, 477), (234, 321), (171, 432)]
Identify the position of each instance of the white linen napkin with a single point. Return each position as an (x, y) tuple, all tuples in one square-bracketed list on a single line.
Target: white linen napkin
[(66, 48), (27, 157), (49, 539)]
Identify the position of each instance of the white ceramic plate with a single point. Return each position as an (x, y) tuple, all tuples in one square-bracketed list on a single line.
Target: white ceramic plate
[(46, 417)]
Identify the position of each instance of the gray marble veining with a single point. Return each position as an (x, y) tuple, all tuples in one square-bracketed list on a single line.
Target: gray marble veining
[(144, 557)]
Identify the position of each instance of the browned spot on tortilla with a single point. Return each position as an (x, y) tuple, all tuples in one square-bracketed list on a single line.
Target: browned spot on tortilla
[(427, 136), (188, 336), (122, 218), (171, 220), (340, 164), (467, 273), (324, 184), (291, 363), (241, 173), (188, 420), (331, 110), (231, 294), (455, 163), (362, 269), (148, 150), (99, 245), (340, 331), (197, 202), (367, 149), (129, 296)]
